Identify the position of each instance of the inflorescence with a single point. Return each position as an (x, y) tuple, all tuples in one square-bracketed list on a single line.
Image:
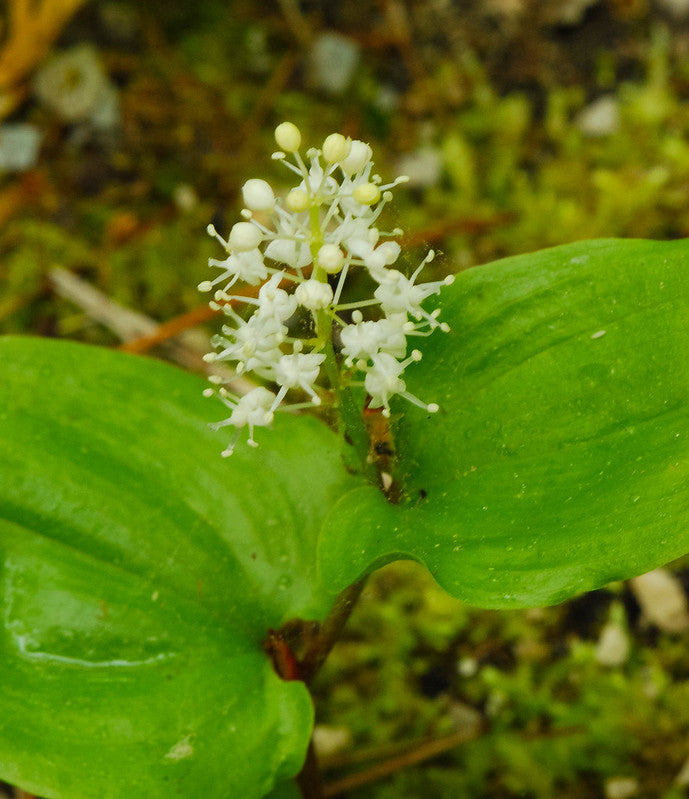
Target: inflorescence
[(300, 252)]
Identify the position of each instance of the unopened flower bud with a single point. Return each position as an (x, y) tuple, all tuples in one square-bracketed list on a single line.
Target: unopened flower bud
[(297, 201), (244, 237), (366, 194), (258, 195), (330, 258), (336, 148), (288, 137)]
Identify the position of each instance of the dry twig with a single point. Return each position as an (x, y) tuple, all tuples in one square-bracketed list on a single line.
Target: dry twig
[(423, 751), (186, 348), (29, 31)]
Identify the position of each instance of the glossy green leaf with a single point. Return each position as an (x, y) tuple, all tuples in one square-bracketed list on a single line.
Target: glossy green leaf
[(560, 458), (139, 572)]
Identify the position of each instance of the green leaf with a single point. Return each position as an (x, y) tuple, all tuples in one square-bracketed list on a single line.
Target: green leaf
[(285, 790), (139, 573), (560, 458)]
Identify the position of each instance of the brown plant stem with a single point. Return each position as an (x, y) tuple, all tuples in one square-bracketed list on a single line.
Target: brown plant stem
[(309, 779), (313, 646), (329, 633)]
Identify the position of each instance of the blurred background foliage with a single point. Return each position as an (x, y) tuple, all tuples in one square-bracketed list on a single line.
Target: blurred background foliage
[(126, 127)]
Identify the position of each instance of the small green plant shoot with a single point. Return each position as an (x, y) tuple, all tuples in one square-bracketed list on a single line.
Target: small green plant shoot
[(521, 428)]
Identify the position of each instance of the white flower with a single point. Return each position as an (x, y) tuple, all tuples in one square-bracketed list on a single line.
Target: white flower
[(319, 183), (357, 236), (399, 294), (296, 254), (298, 370), (252, 410), (314, 295), (389, 251), (383, 380), (275, 302), (363, 340), (255, 344), (359, 157), (246, 266), (359, 341), (381, 256), (360, 239)]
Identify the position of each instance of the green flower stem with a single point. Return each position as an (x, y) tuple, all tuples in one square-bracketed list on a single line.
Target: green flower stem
[(349, 420), (316, 232)]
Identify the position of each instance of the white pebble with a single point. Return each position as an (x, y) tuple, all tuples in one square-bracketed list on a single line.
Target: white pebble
[(600, 118), (662, 599), (612, 649), (621, 788)]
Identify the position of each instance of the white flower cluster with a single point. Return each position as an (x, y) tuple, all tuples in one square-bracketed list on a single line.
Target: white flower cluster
[(300, 252)]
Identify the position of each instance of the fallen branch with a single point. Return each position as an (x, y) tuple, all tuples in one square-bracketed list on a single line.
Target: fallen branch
[(186, 347)]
